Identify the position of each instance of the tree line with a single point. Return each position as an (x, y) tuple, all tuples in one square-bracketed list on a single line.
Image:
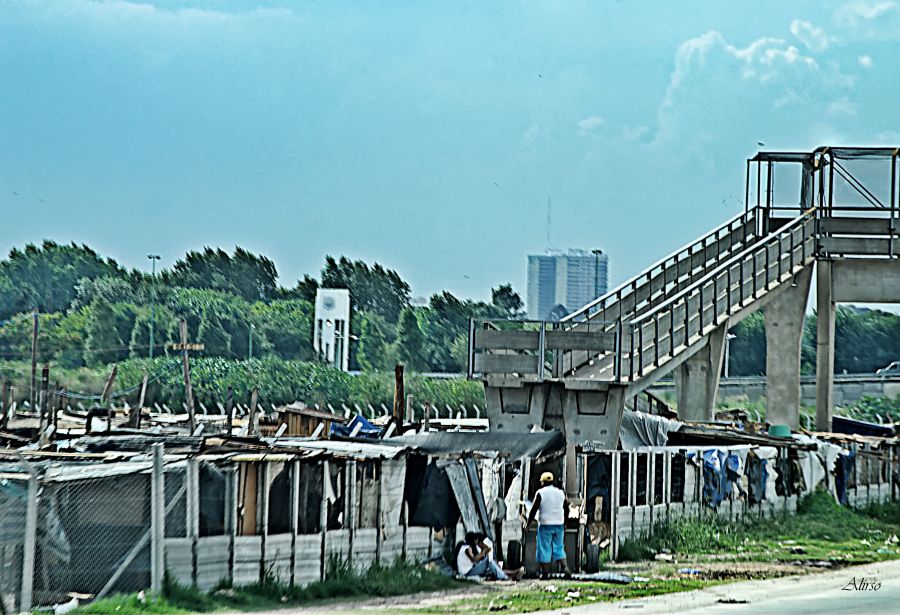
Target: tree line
[(93, 311)]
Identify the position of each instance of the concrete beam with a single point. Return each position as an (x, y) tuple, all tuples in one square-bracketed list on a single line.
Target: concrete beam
[(825, 312), (868, 280), (697, 379), (784, 333)]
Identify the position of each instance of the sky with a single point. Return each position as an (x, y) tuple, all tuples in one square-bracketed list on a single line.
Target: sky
[(427, 136)]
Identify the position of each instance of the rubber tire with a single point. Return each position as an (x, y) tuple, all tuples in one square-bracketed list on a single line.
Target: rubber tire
[(513, 555), (592, 559)]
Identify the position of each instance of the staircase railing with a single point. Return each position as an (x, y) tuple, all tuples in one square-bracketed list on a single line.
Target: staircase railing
[(658, 335), (660, 281)]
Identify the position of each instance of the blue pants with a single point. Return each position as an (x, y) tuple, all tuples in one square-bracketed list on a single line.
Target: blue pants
[(489, 567), (550, 544)]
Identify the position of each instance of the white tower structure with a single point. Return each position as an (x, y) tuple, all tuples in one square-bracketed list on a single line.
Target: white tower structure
[(331, 329)]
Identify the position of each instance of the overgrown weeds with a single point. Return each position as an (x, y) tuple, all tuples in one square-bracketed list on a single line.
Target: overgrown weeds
[(341, 582), (819, 520)]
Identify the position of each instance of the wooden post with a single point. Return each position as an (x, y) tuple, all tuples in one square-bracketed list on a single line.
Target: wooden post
[(157, 521), (254, 412), (186, 367), (4, 408), (107, 393), (44, 397), (34, 354), (410, 410), (136, 419), (323, 522), (229, 411), (399, 396)]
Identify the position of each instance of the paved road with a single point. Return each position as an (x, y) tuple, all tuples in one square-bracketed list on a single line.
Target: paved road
[(815, 594)]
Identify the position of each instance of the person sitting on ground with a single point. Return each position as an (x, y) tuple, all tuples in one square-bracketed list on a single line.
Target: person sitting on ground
[(550, 506), (473, 559)]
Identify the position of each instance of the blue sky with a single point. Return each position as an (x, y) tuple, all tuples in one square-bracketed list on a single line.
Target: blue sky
[(424, 135)]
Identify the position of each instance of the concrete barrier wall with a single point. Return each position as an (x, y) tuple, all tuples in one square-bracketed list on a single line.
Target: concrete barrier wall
[(847, 389)]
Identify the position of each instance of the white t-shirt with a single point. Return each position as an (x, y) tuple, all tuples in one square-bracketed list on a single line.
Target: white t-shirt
[(551, 510), (464, 563)]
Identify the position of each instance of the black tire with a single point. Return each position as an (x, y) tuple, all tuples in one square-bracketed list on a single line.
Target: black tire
[(513, 555), (592, 559)]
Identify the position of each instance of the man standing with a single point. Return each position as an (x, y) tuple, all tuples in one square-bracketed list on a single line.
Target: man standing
[(550, 506)]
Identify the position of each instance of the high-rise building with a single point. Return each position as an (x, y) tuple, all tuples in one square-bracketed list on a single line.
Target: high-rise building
[(560, 282)]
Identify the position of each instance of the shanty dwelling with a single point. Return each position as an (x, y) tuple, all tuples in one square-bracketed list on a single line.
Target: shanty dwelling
[(90, 522), (665, 470)]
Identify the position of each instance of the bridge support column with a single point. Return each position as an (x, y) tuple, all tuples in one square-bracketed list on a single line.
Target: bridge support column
[(825, 312), (784, 333), (697, 379)]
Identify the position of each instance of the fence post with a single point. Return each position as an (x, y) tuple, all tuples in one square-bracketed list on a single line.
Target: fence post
[(192, 511), (30, 538), (379, 511), (157, 521), (323, 519), (351, 508)]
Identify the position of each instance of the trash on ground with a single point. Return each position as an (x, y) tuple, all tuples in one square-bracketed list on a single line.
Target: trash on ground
[(606, 577), (688, 571)]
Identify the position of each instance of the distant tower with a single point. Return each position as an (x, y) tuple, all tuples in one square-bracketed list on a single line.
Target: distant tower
[(331, 330), (560, 282)]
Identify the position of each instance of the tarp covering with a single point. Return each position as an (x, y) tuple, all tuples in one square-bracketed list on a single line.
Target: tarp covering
[(516, 445), (640, 429), (842, 424), (366, 428)]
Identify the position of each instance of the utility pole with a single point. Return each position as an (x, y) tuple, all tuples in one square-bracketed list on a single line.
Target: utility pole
[(153, 258), (185, 347), (250, 345), (399, 396), (34, 353)]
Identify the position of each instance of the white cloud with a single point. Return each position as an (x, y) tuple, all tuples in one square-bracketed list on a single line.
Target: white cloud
[(865, 61), (869, 20), (590, 124), (813, 38), (720, 94)]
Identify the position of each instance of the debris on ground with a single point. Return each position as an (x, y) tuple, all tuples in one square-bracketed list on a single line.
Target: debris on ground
[(731, 601), (688, 571), (605, 577), (664, 557)]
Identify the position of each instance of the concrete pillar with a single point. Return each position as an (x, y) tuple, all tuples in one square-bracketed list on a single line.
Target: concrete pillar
[(784, 333), (825, 312), (697, 379)]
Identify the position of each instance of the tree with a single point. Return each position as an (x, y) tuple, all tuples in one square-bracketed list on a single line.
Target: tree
[(46, 276), (372, 350), (411, 341), (287, 326), (376, 289), (747, 351), (247, 275), (507, 301)]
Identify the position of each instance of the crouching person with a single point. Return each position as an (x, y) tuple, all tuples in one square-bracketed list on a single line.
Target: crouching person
[(474, 558)]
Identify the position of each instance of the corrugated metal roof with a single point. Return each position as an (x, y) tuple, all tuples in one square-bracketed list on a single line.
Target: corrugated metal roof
[(360, 450)]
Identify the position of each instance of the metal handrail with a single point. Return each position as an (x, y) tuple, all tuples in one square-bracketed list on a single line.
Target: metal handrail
[(638, 324), (754, 249), (647, 274)]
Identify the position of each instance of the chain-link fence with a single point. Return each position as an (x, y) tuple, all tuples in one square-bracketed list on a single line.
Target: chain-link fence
[(93, 537), (14, 486)]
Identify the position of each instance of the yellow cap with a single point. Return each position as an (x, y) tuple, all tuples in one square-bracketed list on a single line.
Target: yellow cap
[(547, 477)]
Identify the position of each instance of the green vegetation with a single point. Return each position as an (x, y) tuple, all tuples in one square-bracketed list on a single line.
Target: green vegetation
[(94, 312), (865, 340), (343, 583), (279, 381), (821, 530)]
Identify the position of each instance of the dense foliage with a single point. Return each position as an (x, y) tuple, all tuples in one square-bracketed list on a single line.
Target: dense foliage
[(865, 340), (94, 312)]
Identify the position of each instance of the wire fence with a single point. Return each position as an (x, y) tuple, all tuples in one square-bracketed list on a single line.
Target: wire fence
[(13, 507)]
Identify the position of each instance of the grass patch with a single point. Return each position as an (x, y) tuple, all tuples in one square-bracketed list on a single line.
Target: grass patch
[(821, 529), (342, 582)]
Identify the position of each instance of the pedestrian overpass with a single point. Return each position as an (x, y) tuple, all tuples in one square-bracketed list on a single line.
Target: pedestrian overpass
[(832, 214)]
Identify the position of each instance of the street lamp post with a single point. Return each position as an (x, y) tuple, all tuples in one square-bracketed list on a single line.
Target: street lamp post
[(153, 258), (728, 338)]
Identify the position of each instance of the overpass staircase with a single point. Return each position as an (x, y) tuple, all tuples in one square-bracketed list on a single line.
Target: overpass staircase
[(578, 374)]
